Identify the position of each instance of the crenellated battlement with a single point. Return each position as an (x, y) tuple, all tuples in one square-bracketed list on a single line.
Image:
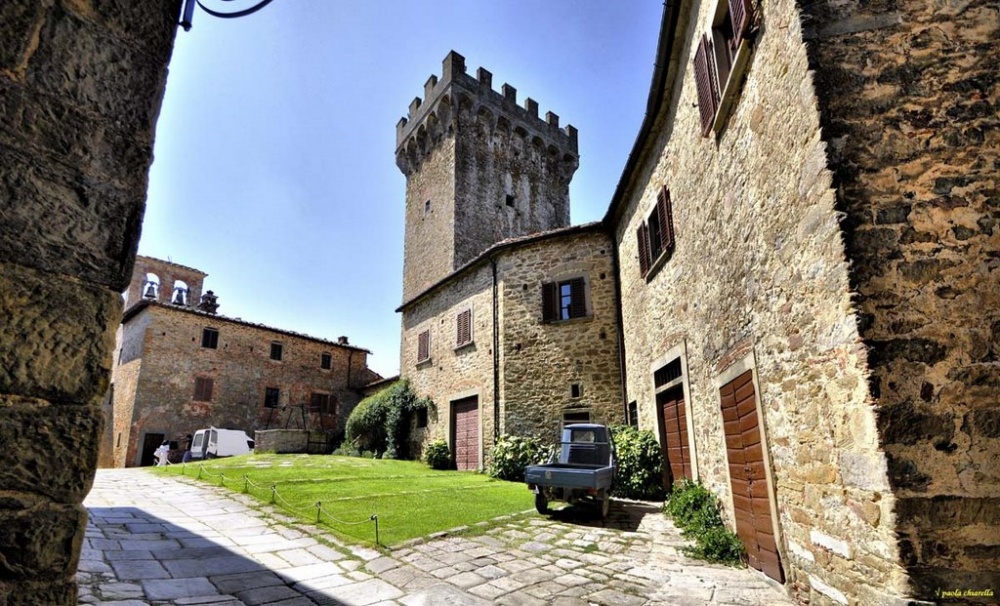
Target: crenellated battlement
[(457, 96)]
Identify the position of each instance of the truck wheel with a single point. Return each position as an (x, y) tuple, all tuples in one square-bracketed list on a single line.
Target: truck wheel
[(541, 504), (605, 503)]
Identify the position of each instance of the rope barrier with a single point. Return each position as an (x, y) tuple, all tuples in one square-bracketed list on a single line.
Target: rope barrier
[(322, 515)]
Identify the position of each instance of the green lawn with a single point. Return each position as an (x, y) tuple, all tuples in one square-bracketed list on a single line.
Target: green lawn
[(410, 499)]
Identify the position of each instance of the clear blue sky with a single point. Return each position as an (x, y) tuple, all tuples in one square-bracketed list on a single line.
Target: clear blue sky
[(274, 166)]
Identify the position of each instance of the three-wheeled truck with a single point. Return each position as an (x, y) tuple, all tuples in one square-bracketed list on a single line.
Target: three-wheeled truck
[(584, 470)]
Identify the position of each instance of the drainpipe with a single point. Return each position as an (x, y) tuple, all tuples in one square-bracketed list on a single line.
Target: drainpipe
[(496, 356)]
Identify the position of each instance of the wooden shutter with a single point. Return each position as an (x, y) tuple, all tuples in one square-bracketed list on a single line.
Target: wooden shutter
[(550, 302), (578, 298), (741, 14), (203, 389), (423, 346), (666, 216), (464, 327), (642, 235), (704, 61)]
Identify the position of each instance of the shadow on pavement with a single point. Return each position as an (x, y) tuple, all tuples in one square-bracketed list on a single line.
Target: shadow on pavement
[(624, 515), (131, 554)]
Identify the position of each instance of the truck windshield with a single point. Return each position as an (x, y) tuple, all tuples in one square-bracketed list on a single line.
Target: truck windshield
[(583, 435)]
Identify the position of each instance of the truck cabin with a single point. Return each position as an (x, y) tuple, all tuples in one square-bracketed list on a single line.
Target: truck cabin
[(585, 444)]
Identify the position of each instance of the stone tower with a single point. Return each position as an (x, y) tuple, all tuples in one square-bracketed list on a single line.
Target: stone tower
[(479, 169), (165, 282)]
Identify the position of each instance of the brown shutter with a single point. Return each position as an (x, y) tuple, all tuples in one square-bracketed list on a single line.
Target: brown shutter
[(642, 236), (423, 346), (464, 327), (578, 301), (741, 13), (703, 62), (203, 389), (550, 302), (665, 214)]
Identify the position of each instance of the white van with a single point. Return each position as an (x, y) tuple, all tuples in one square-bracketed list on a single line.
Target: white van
[(213, 442)]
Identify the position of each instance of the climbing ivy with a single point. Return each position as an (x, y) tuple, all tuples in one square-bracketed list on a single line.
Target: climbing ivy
[(381, 422)]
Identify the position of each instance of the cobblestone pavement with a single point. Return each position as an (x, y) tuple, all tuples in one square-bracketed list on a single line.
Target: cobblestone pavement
[(155, 540)]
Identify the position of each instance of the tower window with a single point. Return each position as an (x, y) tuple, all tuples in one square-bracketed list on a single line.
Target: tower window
[(210, 338), (276, 351)]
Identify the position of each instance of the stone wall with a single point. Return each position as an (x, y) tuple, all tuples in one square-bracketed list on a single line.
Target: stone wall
[(480, 169), (541, 361), (910, 97), (759, 281), (80, 89), (157, 388), (452, 372)]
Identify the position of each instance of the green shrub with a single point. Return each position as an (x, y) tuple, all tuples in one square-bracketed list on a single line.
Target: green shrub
[(695, 510), (438, 455), (639, 471), (511, 454), (381, 422)]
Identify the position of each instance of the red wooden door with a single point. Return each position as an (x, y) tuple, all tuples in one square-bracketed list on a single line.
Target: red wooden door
[(676, 447), (465, 428), (747, 476)]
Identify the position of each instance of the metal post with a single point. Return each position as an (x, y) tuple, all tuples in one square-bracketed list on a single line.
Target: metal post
[(375, 518), (319, 510)]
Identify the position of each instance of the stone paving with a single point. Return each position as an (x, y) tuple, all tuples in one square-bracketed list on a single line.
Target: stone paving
[(156, 540)]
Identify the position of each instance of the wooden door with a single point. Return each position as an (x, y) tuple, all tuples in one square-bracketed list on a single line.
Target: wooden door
[(465, 432), (676, 447), (748, 478)]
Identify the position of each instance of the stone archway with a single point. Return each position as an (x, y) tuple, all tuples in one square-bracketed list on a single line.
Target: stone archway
[(81, 82)]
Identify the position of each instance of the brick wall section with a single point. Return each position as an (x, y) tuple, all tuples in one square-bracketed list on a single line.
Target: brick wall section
[(80, 89), (162, 355), (910, 102), (580, 351), (759, 277)]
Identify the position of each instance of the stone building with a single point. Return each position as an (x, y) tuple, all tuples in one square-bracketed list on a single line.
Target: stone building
[(806, 230), (805, 244), (180, 368), (495, 283)]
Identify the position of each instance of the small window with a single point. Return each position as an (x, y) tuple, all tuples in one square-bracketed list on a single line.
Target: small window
[(656, 236), (575, 390), (427, 207), (576, 416), (271, 397), (421, 418), (424, 346), (210, 338), (320, 402), (463, 324), (276, 351), (325, 361), (118, 442), (633, 414), (510, 201), (564, 300), (203, 389)]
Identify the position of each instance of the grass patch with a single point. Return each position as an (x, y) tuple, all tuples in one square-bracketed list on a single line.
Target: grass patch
[(409, 499)]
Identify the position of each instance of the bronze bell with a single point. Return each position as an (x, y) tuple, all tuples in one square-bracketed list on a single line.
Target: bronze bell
[(150, 291), (178, 296)]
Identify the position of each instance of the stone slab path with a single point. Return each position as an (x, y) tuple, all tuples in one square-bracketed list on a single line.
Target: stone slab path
[(156, 540)]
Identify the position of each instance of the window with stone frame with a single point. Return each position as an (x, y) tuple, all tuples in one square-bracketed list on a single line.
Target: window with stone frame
[(463, 328), (271, 397), (277, 350), (720, 62), (656, 235), (424, 346), (203, 389), (321, 403), (325, 361), (564, 300), (210, 338)]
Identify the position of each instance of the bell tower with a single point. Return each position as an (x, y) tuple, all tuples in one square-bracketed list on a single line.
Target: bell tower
[(479, 169)]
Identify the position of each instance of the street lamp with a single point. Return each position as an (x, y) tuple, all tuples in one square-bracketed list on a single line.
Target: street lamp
[(189, 5)]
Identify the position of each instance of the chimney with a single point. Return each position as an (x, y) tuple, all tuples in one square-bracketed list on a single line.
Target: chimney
[(209, 303), (342, 341)]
